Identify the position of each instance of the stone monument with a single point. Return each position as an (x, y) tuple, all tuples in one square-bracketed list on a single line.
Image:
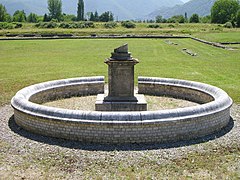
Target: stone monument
[(121, 96)]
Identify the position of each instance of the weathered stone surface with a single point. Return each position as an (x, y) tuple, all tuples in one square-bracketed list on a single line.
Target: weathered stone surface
[(121, 53), (121, 75), (124, 127), (120, 79), (121, 95), (139, 105), (122, 49)]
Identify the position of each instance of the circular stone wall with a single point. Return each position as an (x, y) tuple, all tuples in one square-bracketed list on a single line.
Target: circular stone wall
[(211, 115)]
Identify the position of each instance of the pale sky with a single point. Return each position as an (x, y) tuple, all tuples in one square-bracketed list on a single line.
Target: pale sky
[(185, 1)]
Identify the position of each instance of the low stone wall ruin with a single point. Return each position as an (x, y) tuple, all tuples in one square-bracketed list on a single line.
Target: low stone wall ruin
[(212, 114)]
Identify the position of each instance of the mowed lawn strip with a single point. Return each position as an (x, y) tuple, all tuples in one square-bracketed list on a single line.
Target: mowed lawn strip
[(220, 36), (23, 63)]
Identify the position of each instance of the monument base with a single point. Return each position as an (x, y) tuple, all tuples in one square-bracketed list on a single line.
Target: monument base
[(124, 105)]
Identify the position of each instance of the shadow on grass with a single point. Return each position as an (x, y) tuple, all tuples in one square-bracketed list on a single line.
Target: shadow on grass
[(119, 147)]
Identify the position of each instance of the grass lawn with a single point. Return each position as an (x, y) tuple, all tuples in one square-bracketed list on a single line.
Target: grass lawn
[(141, 29), (220, 36), (27, 62), (23, 63)]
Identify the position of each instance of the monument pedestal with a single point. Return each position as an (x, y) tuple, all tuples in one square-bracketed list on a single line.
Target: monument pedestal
[(121, 95), (139, 105)]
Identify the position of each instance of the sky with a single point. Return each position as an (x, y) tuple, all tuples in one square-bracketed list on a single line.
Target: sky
[(185, 1)]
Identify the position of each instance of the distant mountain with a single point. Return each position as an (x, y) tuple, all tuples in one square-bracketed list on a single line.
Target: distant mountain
[(36, 6), (122, 9), (200, 7)]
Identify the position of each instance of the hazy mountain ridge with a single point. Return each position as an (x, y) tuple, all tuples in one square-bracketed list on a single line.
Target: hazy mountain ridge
[(200, 7), (122, 9)]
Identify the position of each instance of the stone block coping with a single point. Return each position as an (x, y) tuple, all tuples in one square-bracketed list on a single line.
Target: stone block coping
[(212, 114)]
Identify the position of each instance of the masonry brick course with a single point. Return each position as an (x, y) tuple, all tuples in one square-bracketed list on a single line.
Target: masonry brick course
[(123, 127)]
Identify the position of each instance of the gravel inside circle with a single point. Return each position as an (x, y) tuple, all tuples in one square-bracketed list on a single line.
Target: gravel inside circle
[(87, 103), (19, 144)]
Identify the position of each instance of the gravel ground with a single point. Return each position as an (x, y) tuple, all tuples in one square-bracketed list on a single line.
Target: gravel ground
[(87, 103), (22, 145)]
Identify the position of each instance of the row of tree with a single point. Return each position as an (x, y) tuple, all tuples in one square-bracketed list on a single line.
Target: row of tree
[(55, 13), (18, 16), (180, 19), (222, 11), (104, 17)]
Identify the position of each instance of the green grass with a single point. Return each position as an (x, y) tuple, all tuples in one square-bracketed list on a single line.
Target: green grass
[(27, 62), (141, 29), (210, 32), (221, 36), (234, 46)]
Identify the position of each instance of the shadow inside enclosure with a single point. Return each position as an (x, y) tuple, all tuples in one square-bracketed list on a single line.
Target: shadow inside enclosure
[(109, 147)]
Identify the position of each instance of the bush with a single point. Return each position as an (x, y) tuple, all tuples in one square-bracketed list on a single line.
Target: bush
[(228, 25), (5, 25), (88, 24), (154, 26), (38, 25), (49, 25), (128, 24), (18, 25), (171, 26), (80, 25), (238, 19), (219, 28), (110, 25), (185, 31), (67, 25)]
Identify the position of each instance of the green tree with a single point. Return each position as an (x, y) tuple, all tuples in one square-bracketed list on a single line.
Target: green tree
[(159, 19), (177, 19), (32, 18), (205, 19), (92, 17), (224, 11), (96, 16), (46, 18), (238, 19), (186, 16), (106, 17), (55, 9), (80, 10), (128, 24), (8, 18), (3, 13), (69, 17), (19, 16), (194, 18), (111, 18)]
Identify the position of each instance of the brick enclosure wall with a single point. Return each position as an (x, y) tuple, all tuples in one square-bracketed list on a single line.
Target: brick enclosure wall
[(123, 127)]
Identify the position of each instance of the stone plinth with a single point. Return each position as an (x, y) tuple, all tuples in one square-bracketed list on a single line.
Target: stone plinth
[(121, 80), (139, 105), (121, 95)]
